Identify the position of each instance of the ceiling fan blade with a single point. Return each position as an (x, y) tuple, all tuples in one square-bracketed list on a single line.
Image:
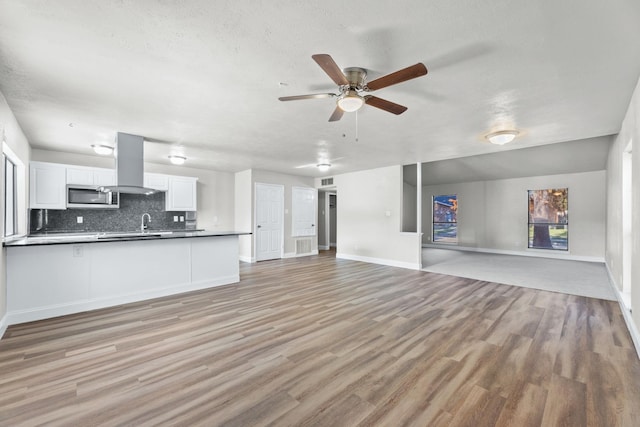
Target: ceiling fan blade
[(312, 96), (337, 114), (385, 105), (330, 67), (399, 76)]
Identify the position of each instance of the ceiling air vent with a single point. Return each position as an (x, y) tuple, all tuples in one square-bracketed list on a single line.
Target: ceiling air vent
[(327, 181)]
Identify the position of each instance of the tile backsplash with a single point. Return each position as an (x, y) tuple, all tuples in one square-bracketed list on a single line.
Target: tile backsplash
[(127, 218)]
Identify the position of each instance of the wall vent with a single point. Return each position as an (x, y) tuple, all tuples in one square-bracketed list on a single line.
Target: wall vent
[(303, 246), (326, 181)]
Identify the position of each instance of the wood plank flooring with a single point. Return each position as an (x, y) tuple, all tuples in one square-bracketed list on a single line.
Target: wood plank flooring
[(317, 341)]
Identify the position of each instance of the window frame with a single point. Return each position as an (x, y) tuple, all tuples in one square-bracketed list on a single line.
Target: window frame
[(7, 164)]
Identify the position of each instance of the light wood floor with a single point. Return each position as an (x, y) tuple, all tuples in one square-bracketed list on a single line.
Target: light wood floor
[(320, 341)]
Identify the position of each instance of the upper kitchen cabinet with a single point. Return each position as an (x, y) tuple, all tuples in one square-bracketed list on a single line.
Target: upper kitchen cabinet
[(80, 175), (181, 194), (156, 181), (47, 186)]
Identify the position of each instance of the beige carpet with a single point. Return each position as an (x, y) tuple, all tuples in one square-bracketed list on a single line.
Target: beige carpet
[(588, 279)]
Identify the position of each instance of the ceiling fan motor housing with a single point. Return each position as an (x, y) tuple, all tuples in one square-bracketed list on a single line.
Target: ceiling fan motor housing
[(356, 77)]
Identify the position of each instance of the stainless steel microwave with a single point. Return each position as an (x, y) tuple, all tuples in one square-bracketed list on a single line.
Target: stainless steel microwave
[(88, 196)]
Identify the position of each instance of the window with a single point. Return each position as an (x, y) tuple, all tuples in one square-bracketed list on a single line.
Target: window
[(10, 201), (549, 219), (445, 223)]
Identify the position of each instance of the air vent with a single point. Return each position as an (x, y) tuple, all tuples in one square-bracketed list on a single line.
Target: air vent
[(327, 181), (303, 246)]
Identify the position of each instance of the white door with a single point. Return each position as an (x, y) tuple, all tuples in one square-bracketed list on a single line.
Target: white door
[(305, 208), (269, 221)]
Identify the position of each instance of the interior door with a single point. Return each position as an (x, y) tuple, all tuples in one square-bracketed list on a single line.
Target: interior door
[(304, 211), (269, 226)]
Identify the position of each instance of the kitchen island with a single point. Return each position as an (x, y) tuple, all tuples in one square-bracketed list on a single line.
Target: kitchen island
[(50, 276)]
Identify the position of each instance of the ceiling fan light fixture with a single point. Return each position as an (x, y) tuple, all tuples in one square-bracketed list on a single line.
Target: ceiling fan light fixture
[(323, 167), (101, 149), (350, 101), (177, 160), (502, 137)]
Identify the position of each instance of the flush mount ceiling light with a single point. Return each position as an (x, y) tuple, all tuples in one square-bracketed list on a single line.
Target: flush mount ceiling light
[(350, 101), (103, 150), (323, 167), (502, 137), (177, 160)]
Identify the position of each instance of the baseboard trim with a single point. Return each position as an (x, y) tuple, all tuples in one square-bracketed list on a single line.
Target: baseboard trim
[(295, 255), (532, 253), (381, 261), (247, 259), (40, 313), (323, 247), (626, 313)]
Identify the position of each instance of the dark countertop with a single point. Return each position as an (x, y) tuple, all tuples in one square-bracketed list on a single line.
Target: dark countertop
[(75, 238)]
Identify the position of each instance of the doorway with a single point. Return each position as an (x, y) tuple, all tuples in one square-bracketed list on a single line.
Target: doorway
[(269, 221), (327, 219), (333, 220)]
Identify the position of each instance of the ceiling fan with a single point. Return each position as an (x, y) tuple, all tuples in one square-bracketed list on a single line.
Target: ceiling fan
[(352, 87)]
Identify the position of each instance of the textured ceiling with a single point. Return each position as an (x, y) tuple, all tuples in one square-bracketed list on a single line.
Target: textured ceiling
[(202, 78)]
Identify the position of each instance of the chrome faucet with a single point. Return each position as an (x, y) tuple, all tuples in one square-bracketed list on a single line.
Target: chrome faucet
[(144, 226)]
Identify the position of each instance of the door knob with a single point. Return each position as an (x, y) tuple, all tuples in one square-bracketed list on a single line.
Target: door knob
[(259, 226)]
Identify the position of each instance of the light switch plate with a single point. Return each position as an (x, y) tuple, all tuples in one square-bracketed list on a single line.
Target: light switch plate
[(79, 219), (175, 218)]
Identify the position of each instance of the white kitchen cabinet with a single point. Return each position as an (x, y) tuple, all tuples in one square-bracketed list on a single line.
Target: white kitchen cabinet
[(104, 177), (47, 186), (156, 181), (80, 175), (181, 194)]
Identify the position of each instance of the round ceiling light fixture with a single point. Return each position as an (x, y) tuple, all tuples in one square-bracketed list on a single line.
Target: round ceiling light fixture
[(350, 101), (103, 150), (323, 167), (177, 160), (502, 137)]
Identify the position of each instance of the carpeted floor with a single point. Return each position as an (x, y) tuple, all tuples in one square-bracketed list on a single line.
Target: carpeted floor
[(588, 279)]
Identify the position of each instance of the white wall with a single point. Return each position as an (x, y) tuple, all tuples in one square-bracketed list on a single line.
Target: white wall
[(630, 131), (493, 214), (370, 219), (12, 134), (409, 207), (215, 190)]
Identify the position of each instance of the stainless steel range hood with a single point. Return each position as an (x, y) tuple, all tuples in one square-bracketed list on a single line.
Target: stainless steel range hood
[(129, 166)]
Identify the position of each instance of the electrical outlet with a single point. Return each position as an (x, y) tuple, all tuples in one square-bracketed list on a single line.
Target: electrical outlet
[(181, 218), (79, 219), (77, 251), (175, 218)]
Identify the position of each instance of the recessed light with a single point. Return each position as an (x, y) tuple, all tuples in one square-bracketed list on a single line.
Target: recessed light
[(103, 150), (177, 160), (502, 137)]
